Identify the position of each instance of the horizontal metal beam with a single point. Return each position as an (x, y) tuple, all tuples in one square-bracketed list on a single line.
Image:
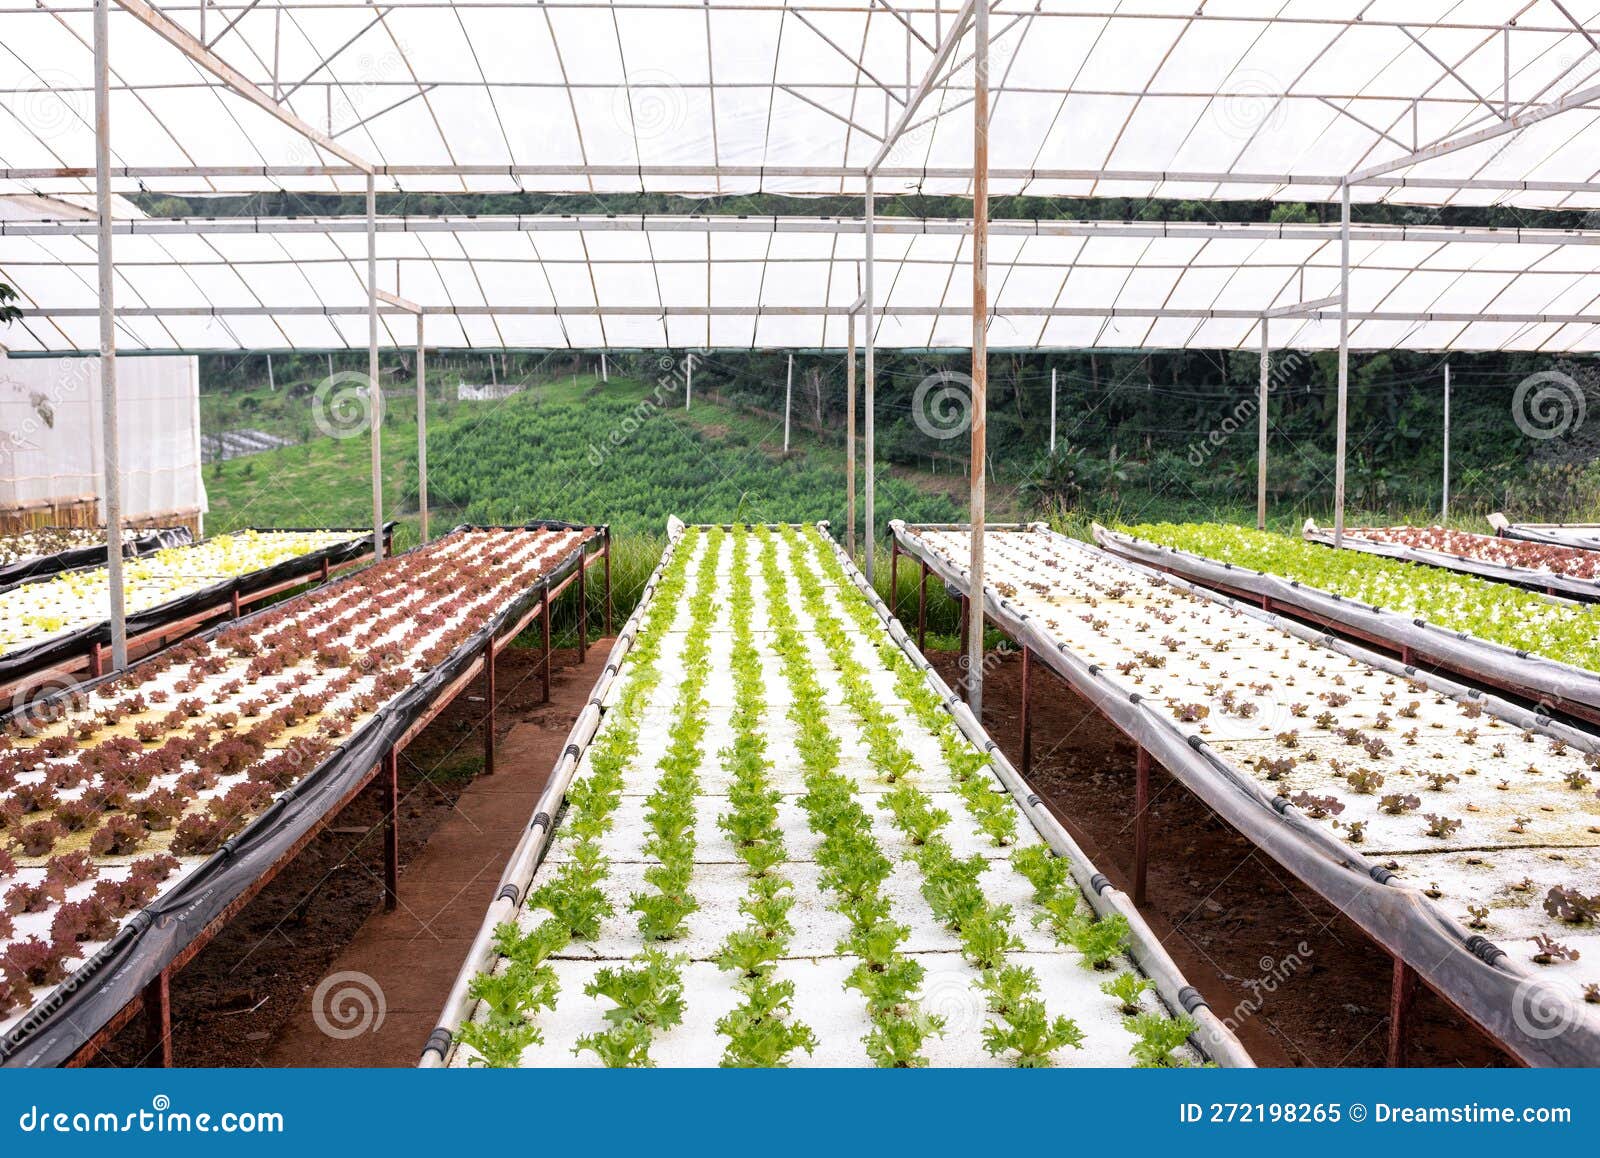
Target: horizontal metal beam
[(882, 225), (886, 175), (355, 309)]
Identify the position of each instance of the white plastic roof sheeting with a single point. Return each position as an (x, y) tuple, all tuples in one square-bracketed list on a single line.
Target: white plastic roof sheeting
[(772, 282), (1239, 98)]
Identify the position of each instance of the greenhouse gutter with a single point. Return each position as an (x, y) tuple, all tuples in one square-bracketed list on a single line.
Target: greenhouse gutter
[(1548, 582), (1469, 971), (1548, 683), (1213, 1038), (1585, 536), (131, 971)]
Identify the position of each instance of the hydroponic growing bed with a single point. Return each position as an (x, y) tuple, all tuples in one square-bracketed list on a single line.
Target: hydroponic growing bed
[(47, 550), (1568, 571), (1461, 832), (1542, 649), (60, 624), (780, 846), (1585, 536), (137, 810)]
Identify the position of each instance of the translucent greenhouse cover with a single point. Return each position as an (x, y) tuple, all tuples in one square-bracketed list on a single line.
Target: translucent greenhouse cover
[(589, 282), (1242, 99)]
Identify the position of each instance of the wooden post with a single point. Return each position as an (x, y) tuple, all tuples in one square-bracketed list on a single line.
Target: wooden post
[(1402, 992), (1141, 825), (158, 1020), (391, 832), (1027, 716), (488, 709)]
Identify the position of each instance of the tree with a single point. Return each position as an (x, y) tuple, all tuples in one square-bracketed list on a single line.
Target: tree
[(8, 312)]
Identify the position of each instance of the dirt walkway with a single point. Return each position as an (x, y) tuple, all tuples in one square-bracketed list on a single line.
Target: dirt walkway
[(404, 962)]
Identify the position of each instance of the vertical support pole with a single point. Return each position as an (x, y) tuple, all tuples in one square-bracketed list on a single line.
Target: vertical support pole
[(606, 547), (391, 831), (1052, 409), (850, 442), (110, 445), (1261, 431), (922, 607), (490, 697), (688, 379), (583, 607), (422, 431), (869, 321), (97, 663), (1344, 363), (1402, 992), (965, 607), (1141, 825), (544, 630), (374, 394), (1444, 501), (980, 348), (271, 382), (234, 606), (894, 575), (788, 402), (158, 1020), (1026, 721), (605, 373)]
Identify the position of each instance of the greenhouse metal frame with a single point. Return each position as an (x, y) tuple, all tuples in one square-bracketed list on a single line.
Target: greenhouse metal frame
[(1491, 103)]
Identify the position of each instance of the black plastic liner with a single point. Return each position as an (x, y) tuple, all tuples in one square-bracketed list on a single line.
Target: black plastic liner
[(1474, 973), (44, 566), (1556, 686), (18, 665), (65, 1021)]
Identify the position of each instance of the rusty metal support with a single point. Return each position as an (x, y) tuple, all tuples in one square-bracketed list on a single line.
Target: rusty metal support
[(489, 697), (1026, 713), (1402, 993), (964, 610), (158, 1020), (391, 831), (96, 662), (1141, 825), (544, 628), (922, 608), (235, 609)]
